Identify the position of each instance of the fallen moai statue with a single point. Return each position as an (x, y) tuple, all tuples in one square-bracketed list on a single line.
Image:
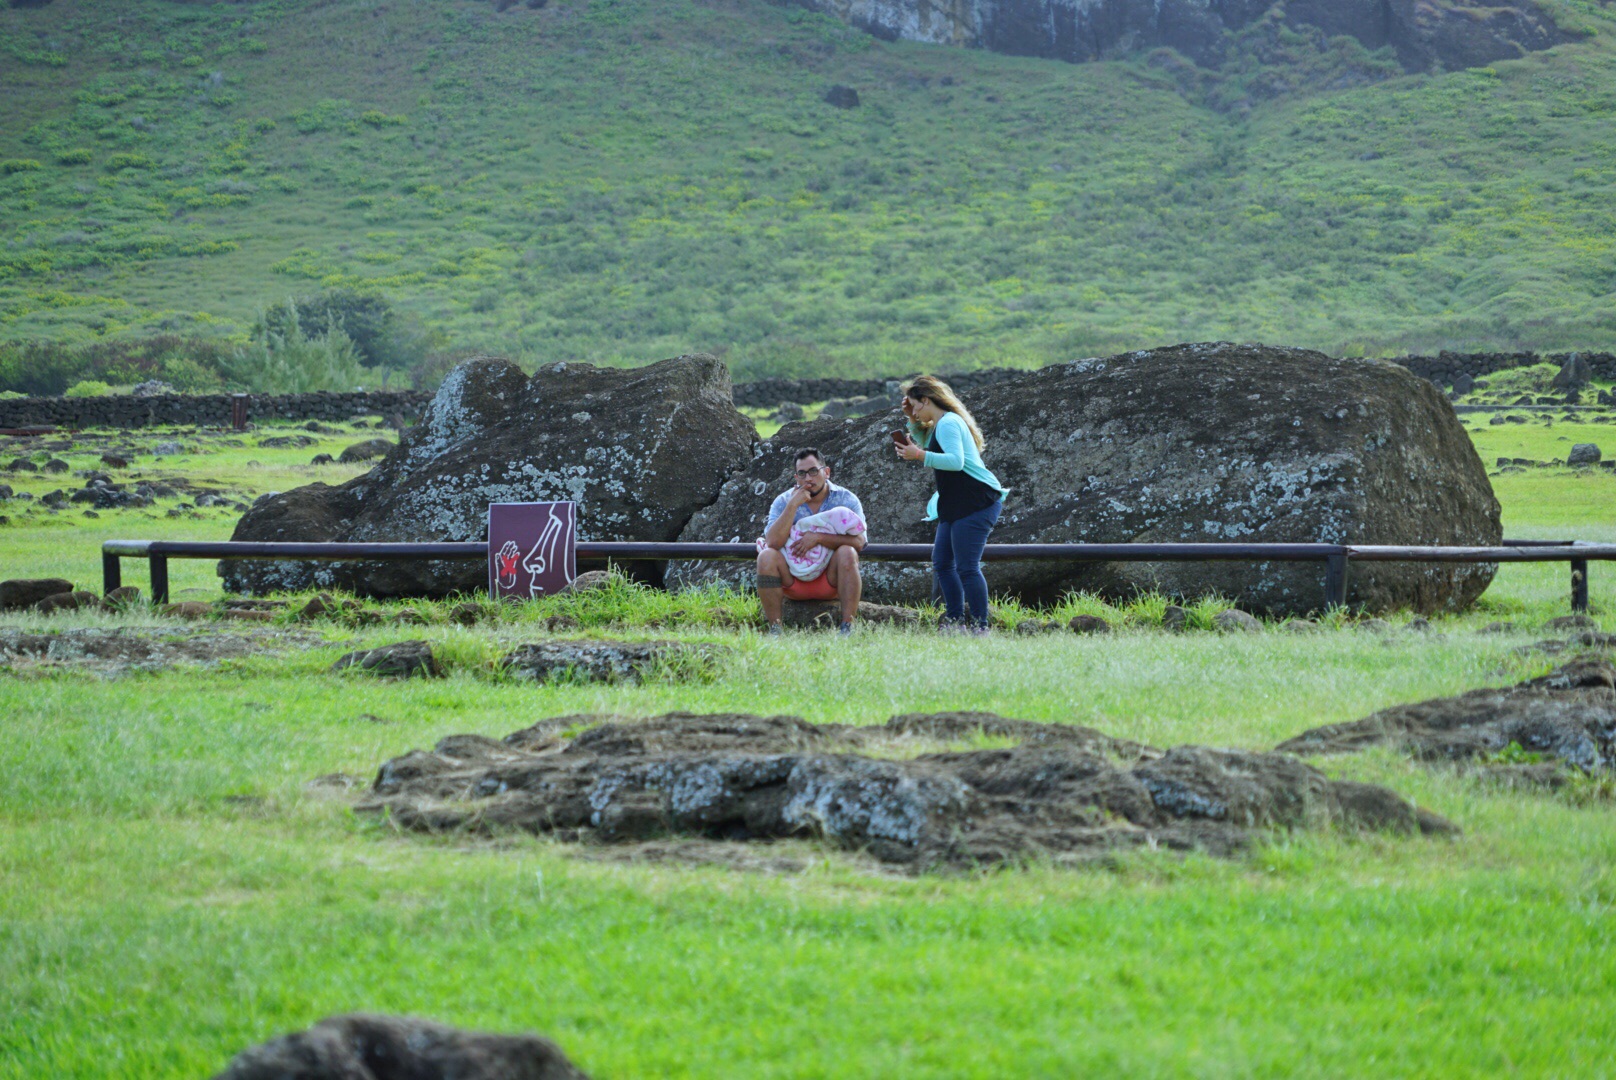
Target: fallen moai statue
[(364, 1047), (639, 450), (1062, 792), (1567, 718), (1209, 443)]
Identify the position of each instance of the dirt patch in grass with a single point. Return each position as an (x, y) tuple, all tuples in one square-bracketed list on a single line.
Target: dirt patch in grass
[(1059, 792)]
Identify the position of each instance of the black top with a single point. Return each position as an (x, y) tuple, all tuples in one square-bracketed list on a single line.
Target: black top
[(958, 493)]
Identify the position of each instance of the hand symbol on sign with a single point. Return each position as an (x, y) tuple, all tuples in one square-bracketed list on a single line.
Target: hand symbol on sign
[(508, 555)]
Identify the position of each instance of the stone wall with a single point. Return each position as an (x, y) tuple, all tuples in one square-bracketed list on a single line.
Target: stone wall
[(213, 410), (204, 410), (1446, 366), (1441, 369)]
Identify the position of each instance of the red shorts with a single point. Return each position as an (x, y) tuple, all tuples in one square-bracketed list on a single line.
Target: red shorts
[(818, 588)]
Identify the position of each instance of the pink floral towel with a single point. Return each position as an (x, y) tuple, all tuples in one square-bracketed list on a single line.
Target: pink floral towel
[(838, 521)]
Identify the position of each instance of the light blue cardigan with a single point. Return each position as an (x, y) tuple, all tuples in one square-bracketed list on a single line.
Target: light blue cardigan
[(958, 453)]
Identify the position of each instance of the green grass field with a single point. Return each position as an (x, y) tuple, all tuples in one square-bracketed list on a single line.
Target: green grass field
[(174, 892), (625, 180)]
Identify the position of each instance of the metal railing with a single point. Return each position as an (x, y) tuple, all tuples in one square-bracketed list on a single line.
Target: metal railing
[(1334, 557)]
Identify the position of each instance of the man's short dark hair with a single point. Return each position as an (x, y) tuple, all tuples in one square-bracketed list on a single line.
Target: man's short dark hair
[(813, 452)]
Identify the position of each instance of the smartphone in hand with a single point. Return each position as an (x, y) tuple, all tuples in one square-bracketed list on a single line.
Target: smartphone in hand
[(901, 438)]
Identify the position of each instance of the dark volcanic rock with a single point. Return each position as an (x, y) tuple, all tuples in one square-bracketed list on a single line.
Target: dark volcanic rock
[(603, 661), (365, 451), (843, 97), (1195, 443), (68, 601), (639, 449), (1423, 33), (403, 660), (1063, 791), (20, 593), (1568, 715), (362, 1047)]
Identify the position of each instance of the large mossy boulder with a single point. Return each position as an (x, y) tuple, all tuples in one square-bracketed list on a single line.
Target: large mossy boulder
[(1194, 443), (639, 449)]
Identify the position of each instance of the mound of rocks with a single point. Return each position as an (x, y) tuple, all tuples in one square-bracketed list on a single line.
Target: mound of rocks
[(1063, 792), (121, 650), (365, 1047), (639, 449), (1567, 717), (606, 661), (1194, 443)]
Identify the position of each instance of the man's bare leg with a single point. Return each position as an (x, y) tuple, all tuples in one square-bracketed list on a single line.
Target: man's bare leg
[(771, 579), (844, 574)]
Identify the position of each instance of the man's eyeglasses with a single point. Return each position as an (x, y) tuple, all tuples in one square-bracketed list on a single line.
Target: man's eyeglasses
[(808, 474)]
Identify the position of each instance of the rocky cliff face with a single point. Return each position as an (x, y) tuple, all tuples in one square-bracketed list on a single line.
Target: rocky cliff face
[(1424, 33)]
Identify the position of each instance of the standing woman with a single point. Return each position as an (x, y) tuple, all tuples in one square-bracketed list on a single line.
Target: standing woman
[(944, 436)]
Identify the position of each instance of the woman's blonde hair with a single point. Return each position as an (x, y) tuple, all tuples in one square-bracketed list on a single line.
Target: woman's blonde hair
[(931, 388)]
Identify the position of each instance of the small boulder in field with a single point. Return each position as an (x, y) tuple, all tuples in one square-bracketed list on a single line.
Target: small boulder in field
[(1088, 624), (56, 465), (322, 459), (1037, 626), (1583, 453), (365, 451), (588, 582), (364, 1047), (22, 464), (1234, 621), (322, 606), (1302, 626), (1500, 627), (124, 596), (1572, 622), (600, 661), (1175, 619), (20, 593), (114, 461), (467, 614), (842, 97), (187, 609), (404, 660), (68, 601)]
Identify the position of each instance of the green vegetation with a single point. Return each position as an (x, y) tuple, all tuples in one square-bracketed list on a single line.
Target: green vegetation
[(626, 180), (174, 892)]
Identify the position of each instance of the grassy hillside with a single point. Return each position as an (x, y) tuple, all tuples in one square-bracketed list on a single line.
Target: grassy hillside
[(621, 180)]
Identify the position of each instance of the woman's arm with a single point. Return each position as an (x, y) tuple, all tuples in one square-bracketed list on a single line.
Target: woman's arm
[(950, 436)]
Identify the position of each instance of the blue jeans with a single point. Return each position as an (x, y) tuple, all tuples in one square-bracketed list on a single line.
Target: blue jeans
[(956, 558)]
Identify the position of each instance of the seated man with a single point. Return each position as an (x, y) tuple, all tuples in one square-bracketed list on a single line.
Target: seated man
[(812, 494)]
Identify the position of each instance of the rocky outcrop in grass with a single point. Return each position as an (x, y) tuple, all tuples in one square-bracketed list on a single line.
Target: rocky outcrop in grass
[(363, 1047), (1542, 730), (1057, 791)]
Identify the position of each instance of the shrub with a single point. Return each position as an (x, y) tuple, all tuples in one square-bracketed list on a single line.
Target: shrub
[(88, 388), (75, 157), (283, 359), (118, 162), (17, 165)]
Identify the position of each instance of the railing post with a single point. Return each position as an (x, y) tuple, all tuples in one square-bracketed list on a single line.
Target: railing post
[(238, 412), (159, 579), (1579, 585), (1335, 581), (111, 572)]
